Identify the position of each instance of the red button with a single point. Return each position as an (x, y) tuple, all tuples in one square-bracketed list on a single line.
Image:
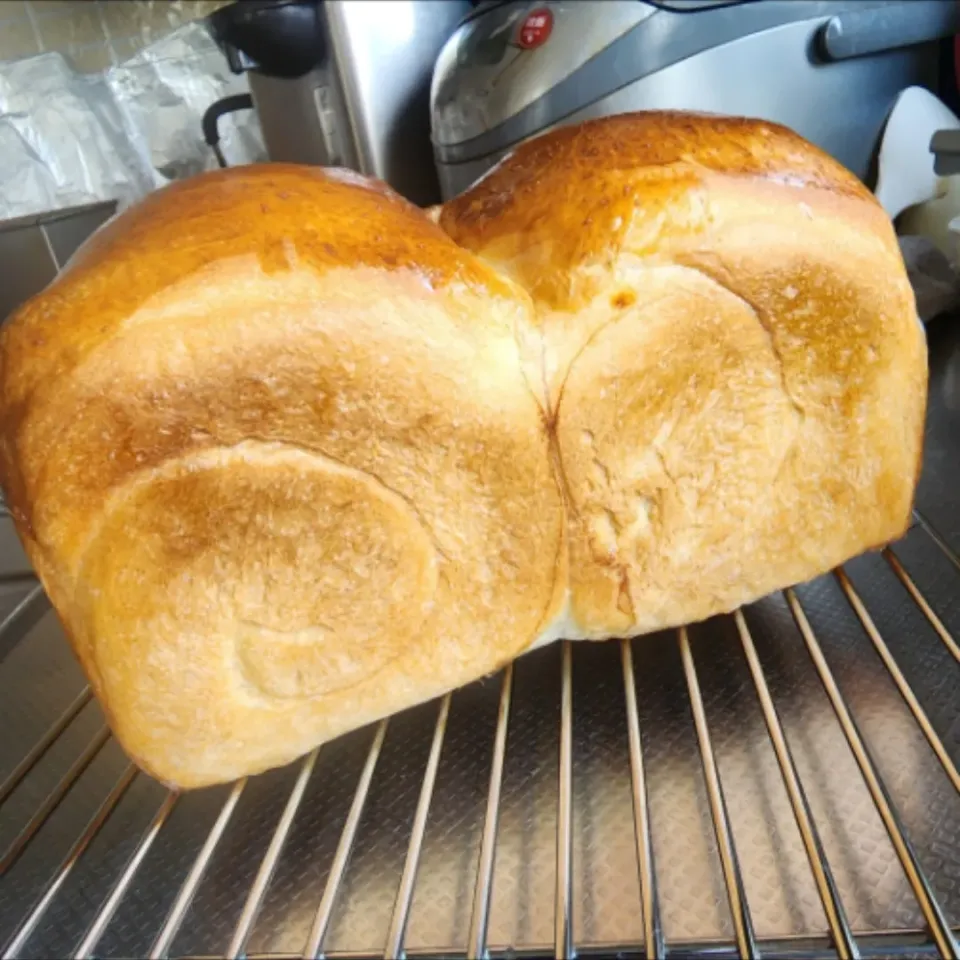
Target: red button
[(536, 29)]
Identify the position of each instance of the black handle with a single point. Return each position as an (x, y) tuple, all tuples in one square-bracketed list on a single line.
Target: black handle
[(211, 120), (281, 38), (858, 33)]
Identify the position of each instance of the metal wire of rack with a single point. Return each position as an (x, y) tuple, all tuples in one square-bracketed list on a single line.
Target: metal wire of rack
[(781, 782), (842, 940)]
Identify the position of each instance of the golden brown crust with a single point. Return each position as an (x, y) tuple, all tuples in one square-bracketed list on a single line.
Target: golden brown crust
[(290, 455), (564, 202), (273, 215)]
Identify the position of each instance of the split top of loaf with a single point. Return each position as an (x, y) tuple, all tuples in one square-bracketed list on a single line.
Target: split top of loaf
[(289, 454)]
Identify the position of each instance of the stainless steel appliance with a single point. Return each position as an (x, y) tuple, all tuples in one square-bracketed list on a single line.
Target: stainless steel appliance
[(830, 69), (344, 82)]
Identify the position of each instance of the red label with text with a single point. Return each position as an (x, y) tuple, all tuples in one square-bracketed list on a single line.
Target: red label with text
[(536, 29)]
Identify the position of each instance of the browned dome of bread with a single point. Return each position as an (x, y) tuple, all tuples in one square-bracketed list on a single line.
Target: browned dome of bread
[(270, 450), (735, 370), (289, 456)]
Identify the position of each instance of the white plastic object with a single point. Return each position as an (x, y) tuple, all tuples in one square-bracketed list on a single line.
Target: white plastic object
[(906, 176)]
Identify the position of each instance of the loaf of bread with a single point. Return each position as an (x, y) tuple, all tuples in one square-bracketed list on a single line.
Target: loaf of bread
[(290, 455)]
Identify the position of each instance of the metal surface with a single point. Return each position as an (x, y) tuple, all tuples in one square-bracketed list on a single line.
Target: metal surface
[(562, 920), (732, 874), (344, 113), (401, 910), (172, 924), (932, 911), (390, 122), (488, 96), (304, 120), (258, 889), (782, 781), (858, 33), (34, 248), (321, 921), (480, 918), (826, 886), (484, 78), (652, 928)]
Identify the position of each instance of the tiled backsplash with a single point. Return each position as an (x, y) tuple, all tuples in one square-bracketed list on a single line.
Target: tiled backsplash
[(94, 34)]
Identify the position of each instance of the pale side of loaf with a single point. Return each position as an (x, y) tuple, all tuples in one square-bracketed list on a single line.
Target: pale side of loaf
[(290, 455)]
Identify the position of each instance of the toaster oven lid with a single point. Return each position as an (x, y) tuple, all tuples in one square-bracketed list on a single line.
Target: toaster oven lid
[(490, 93)]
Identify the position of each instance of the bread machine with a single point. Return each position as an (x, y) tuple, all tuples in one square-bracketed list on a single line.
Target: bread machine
[(830, 69)]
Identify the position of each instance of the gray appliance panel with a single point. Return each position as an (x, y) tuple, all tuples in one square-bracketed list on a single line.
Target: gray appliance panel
[(830, 69), (479, 107), (769, 76)]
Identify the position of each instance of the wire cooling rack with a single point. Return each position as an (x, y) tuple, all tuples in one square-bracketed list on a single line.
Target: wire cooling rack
[(781, 782)]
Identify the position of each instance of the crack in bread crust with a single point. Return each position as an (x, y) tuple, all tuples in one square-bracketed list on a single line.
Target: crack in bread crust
[(721, 276)]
